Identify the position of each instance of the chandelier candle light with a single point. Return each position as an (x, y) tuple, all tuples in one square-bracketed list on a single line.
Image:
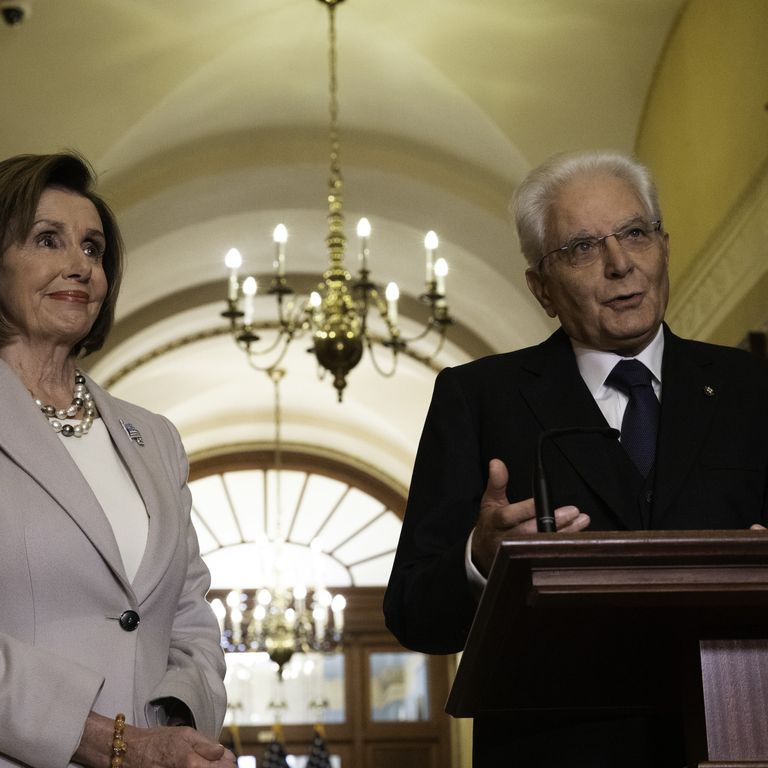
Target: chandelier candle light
[(281, 621), (337, 313)]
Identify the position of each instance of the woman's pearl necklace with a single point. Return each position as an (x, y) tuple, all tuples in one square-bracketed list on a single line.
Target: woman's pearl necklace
[(81, 398)]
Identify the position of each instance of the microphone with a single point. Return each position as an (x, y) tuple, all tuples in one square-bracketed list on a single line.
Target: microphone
[(545, 514)]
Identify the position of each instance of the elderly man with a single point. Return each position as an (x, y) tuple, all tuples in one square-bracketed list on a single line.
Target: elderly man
[(693, 452)]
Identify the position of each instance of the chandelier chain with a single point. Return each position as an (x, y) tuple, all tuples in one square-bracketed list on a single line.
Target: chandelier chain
[(333, 92), (276, 375), (336, 240)]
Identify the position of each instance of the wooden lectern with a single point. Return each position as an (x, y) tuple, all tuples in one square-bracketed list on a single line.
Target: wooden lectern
[(663, 621)]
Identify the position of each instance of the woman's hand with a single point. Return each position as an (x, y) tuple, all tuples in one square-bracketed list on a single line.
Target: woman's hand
[(162, 747), (181, 747)]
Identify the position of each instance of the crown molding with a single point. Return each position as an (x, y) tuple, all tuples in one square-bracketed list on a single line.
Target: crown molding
[(725, 271)]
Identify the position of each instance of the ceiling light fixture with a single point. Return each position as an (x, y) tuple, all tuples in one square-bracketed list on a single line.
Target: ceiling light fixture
[(344, 316)]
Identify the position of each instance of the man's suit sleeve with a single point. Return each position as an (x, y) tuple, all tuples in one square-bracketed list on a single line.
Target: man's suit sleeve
[(429, 604)]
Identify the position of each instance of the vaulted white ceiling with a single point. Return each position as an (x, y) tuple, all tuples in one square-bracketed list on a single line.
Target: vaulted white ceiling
[(207, 123)]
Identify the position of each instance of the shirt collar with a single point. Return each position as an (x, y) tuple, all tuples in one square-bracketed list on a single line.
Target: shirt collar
[(595, 365)]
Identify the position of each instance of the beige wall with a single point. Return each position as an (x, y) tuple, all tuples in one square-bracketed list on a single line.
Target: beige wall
[(706, 123)]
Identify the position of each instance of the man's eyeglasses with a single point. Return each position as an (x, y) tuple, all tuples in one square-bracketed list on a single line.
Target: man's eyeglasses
[(578, 252)]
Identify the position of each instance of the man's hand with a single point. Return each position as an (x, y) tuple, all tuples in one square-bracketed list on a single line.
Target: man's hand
[(757, 527), (498, 518)]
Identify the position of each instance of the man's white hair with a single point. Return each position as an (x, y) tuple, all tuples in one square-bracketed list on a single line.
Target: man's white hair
[(533, 200)]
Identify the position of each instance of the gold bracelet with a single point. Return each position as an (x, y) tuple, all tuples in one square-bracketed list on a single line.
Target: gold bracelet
[(119, 746)]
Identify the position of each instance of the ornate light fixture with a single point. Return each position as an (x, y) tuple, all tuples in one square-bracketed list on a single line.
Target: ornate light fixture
[(278, 619), (337, 313)]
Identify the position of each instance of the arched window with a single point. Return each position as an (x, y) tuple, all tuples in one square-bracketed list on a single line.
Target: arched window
[(240, 503)]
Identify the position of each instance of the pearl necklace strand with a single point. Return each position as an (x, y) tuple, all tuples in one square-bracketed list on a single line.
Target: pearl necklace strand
[(81, 398)]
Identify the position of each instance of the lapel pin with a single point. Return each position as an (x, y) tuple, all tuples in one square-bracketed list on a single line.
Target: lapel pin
[(709, 391), (132, 432)]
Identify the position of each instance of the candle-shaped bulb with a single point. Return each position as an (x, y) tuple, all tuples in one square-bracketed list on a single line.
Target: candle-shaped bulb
[(363, 228), (315, 300), (263, 597), (363, 232), (299, 598), (323, 597), (233, 261), (338, 604), (259, 614), (236, 617), (249, 292), (320, 620), (430, 244), (300, 592), (280, 236), (441, 270), (392, 294), (220, 612)]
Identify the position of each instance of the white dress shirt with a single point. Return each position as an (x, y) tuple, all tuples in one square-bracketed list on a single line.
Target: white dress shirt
[(595, 367)]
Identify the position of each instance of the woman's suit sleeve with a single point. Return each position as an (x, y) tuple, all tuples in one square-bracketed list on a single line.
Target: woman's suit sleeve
[(195, 661), (44, 702)]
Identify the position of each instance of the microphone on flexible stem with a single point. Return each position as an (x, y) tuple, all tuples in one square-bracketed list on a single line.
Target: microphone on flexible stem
[(545, 513)]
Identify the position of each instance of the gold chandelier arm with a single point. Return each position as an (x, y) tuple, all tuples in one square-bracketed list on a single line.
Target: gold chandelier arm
[(440, 344), (369, 294), (247, 345), (252, 355), (291, 323), (404, 348), (285, 312), (370, 343), (419, 336)]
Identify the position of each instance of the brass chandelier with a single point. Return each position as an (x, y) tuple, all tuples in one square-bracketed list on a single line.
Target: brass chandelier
[(277, 618), (340, 313)]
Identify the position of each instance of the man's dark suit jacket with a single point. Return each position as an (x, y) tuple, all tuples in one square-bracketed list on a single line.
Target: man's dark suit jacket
[(711, 465)]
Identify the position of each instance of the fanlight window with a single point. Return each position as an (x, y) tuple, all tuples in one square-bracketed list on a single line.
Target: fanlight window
[(333, 533)]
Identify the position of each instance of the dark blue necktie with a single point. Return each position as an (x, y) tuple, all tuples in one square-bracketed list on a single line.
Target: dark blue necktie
[(641, 418)]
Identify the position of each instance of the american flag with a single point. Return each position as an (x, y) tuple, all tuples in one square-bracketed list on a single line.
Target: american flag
[(318, 754), (274, 755)]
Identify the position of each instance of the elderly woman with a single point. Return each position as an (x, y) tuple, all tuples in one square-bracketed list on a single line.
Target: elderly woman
[(106, 639)]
